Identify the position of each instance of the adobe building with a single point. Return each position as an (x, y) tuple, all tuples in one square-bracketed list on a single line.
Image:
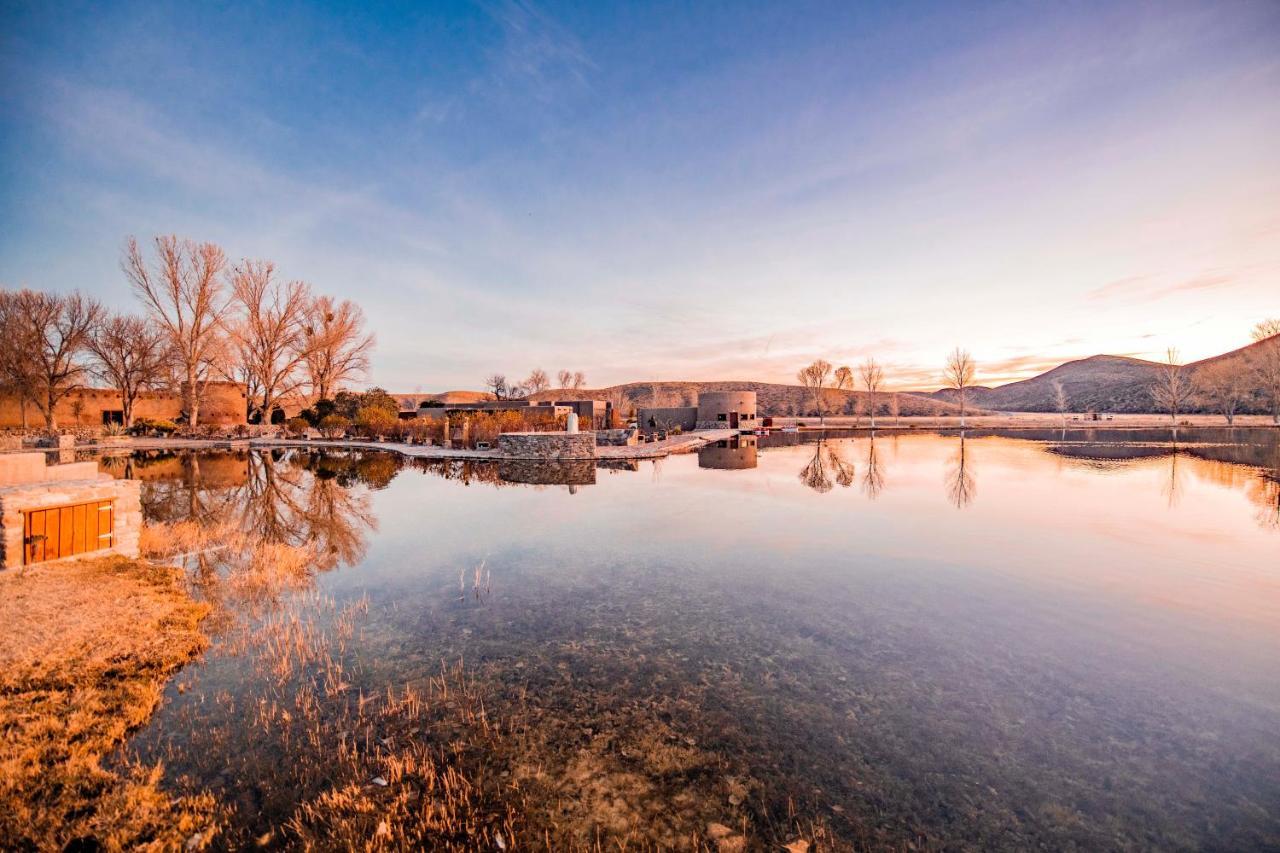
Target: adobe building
[(224, 404), (715, 410), (61, 511)]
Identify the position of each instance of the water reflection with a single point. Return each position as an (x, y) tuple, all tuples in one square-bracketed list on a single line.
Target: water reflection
[(732, 454), (1071, 663), (962, 485), (873, 479)]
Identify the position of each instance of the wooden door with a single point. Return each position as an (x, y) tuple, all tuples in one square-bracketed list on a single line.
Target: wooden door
[(64, 531)]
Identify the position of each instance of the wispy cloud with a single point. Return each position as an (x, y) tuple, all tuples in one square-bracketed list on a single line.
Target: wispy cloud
[(1148, 287), (537, 54)]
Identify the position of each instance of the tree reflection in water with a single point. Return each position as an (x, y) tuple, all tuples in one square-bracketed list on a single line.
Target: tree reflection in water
[(305, 511), (873, 479), (962, 486)]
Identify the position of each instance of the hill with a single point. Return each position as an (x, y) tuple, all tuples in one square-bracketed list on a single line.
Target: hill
[(1103, 383), (1100, 383)]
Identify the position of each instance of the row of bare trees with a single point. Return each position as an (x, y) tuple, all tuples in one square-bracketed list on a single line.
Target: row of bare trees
[(819, 376), (205, 320), (1225, 386), (537, 381)]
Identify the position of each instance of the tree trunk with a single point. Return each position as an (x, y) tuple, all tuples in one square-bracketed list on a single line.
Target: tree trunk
[(126, 411), (50, 416), (193, 400)]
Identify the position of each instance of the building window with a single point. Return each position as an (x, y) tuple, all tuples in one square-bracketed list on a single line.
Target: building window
[(722, 417)]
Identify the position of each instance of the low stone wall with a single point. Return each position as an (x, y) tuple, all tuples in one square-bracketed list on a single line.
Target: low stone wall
[(616, 438), (547, 445), (125, 497)]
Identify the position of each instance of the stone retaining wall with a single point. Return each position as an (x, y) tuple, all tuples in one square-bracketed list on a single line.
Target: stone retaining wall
[(547, 445), (125, 496)]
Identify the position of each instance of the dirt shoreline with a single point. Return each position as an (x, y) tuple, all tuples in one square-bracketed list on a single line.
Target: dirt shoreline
[(86, 651)]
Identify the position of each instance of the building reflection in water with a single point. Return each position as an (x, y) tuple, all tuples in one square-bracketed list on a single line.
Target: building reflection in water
[(732, 454)]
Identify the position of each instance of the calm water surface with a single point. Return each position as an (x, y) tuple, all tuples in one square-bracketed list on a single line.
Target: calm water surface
[(1056, 640)]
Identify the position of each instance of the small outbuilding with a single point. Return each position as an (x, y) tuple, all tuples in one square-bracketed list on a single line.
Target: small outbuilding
[(727, 410), (52, 512)]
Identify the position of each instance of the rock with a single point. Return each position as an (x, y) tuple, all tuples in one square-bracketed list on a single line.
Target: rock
[(716, 831), (379, 781)]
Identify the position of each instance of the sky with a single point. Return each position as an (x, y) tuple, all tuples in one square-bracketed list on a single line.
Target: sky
[(671, 191)]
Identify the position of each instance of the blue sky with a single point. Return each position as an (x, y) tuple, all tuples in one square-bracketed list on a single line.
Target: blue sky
[(671, 191)]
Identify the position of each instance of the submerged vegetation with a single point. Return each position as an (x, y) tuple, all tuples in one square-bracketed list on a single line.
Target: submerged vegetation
[(86, 650), (551, 695)]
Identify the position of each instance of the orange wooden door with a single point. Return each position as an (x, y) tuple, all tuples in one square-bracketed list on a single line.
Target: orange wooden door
[(65, 531)]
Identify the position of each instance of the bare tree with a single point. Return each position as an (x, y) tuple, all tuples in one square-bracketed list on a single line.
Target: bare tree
[(130, 355), (1264, 362), (17, 369), (872, 378), (564, 377), (1060, 399), (184, 294), (55, 329), (1267, 328), (1226, 388), (1172, 389), (579, 380), (338, 347), (814, 379), (537, 381), (959, 375), (269, 332), (496, 383)]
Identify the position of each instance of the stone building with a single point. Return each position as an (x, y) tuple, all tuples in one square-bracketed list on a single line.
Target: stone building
[(715, 410), (62, 511), (224, 404), (727, 409)]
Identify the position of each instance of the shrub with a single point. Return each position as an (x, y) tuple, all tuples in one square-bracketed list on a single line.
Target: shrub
[(145, 426), (297, 426), (333, 426), (375, 421)]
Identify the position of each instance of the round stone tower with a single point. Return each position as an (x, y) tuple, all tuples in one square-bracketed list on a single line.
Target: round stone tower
[(727, 410)]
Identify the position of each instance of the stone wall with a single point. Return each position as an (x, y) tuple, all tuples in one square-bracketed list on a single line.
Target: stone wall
[(27, 483), (547, 445), (616, 438), (668, 418)]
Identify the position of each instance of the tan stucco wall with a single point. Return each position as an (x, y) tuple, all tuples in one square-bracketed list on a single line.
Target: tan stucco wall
[(712, 404), (224, 405)]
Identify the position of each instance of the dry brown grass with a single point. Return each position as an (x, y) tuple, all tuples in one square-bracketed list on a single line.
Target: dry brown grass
[(84, 655)]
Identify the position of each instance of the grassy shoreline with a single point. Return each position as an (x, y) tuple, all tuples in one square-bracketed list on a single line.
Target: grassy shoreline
[(84, 657)]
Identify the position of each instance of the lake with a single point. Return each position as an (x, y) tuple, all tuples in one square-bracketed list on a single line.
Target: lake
[(1056, 640)]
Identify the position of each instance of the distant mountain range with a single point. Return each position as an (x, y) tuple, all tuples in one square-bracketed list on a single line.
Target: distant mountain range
[(1103, 383)]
